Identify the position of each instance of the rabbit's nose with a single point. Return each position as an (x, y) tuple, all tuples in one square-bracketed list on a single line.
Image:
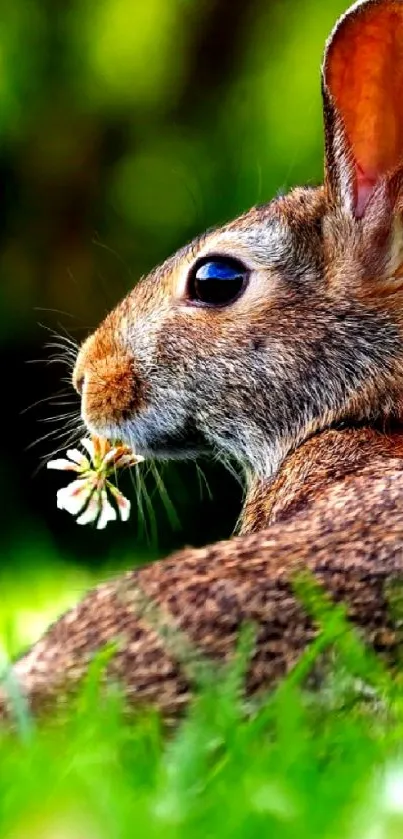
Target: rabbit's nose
[(79, 372), (78, 383), (108, 381)]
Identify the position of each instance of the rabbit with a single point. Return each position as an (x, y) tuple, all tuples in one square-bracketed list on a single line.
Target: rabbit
[(276, 340)]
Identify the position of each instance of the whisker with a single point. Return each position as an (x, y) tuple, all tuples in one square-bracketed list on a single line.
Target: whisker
[(70, 442), (72, 436), (50, 399), (36, 361), (53, 433), (61, 349), (66, 340), (61, 355), (59, 359), (59, 417), (54, 312), (63, 336), (51, 360), (70, 351)]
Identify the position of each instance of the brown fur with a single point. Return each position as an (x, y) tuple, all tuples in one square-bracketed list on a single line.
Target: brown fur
[(348, 533), (322, 461), (113, 385), (300, 379)]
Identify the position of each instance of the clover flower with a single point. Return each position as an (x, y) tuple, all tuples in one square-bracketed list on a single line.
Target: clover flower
[(88, 495)]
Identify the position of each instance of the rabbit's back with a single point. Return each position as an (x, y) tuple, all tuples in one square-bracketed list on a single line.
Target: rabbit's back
[(349, 537)]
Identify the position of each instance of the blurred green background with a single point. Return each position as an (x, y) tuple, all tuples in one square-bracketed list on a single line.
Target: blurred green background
[(126, 128)]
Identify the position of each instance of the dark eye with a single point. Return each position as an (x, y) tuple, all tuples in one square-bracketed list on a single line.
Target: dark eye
[(217, 282)]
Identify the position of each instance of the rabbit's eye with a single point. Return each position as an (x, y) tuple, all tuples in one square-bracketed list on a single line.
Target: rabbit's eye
[(217, 282)]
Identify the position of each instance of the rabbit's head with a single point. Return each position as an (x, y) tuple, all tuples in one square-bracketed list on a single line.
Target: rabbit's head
[(288, 319)]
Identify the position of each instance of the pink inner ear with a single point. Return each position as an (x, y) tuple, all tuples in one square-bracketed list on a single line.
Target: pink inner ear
[(364, 76), (364, 189)]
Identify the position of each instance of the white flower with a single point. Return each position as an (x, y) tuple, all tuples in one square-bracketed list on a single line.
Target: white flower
[(108, 513), (91, 510), (73, 497), (87, 496), (122, 503)]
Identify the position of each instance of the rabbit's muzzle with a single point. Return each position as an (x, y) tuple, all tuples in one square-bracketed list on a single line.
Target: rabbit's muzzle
[(111, 389)]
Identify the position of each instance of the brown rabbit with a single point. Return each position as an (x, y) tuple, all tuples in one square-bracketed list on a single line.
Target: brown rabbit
[(276, 340)]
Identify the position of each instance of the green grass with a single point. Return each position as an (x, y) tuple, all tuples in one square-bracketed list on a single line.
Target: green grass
[(37, 585), (299, 763)]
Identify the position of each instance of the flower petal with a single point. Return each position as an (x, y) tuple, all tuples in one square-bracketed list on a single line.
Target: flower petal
[(101, 448), (62, 463), (107, 511), (88, 445), (79, 458), (129, 459), (122, 502), (112, 456), (73, 497), (91, 511), (117, 459)]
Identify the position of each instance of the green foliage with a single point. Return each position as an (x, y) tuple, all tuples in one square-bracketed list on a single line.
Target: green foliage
[(297, 763)]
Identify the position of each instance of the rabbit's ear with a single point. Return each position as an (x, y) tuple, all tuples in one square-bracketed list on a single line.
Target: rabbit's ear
[(362, 79)]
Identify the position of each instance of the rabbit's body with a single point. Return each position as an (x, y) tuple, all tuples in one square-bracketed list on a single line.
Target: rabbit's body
[(316, 468), (347, 531), (277, 340)]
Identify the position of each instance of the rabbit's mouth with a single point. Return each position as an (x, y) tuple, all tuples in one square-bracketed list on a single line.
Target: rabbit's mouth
[(154, 435), (118, 403)]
